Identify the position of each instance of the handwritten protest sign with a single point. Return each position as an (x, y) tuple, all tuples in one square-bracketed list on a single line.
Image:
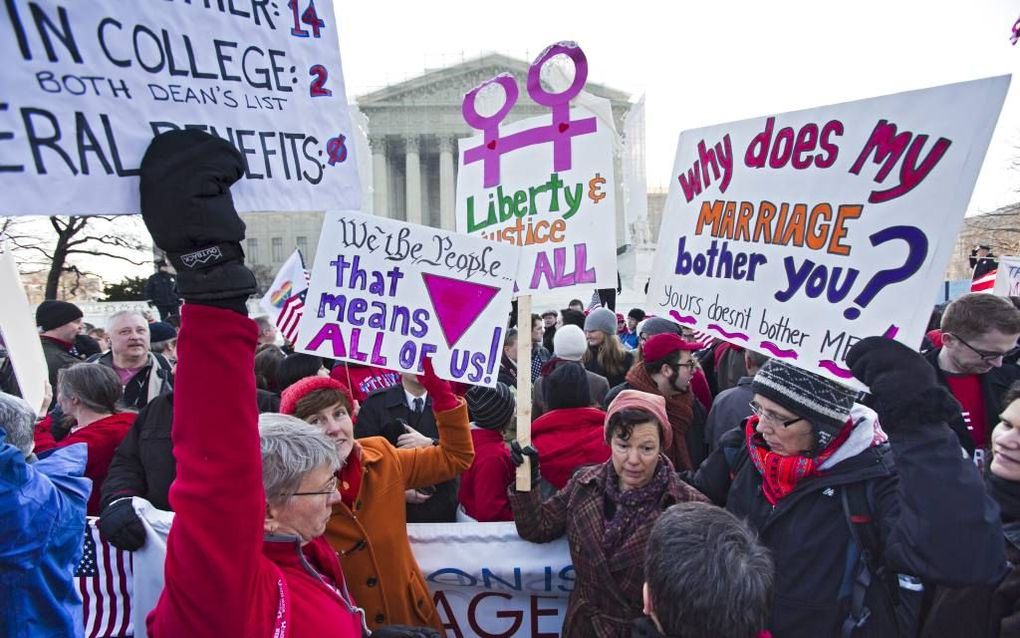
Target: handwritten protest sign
[(798, 234), (388, 294), (545, 183), (1007, 279), (86, 85), (21, 338)]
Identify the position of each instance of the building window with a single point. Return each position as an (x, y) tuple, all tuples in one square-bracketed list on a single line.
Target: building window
[(253, 250), (277, 249), (302, 245)]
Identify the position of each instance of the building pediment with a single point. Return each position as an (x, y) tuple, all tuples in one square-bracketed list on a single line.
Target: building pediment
[(448, 85)]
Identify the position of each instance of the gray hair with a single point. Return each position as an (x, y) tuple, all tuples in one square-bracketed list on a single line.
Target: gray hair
[(707, 573), (96, 386), (160, 347), (18, 419), (291, 449), (112, 319)]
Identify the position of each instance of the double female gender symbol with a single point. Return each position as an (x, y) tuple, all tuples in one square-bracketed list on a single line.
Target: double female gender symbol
[(559, 132)]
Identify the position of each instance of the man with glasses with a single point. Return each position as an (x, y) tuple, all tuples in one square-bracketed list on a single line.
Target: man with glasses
[(666, 369), (979, 333)]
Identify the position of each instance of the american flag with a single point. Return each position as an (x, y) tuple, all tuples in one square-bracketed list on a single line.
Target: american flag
[(984, 283), (596, 302), (705, 339), (104, 580), (290, 316)]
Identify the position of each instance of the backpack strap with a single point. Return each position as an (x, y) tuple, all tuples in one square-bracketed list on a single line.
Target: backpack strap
[(864, 534)]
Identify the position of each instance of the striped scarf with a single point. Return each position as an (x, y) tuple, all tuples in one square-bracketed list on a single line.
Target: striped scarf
[(780, 474)]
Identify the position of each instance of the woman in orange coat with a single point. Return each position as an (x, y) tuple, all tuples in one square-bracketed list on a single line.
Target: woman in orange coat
[(369, 526)]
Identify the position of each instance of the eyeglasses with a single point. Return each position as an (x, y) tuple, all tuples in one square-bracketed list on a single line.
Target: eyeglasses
[(690, 365), (988, 356), (330, 489), (768, 415)]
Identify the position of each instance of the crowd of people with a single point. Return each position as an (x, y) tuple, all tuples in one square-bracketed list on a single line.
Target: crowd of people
[(703, 490)]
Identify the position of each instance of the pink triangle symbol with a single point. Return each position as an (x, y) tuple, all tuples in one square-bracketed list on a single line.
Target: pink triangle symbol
[(457, 303)]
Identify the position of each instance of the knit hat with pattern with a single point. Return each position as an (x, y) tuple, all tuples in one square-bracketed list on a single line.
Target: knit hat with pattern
[(826, 404)]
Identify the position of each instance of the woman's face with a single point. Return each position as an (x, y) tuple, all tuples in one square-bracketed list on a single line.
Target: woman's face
[(305, 513), (636, 457), (335, 423), (1006, 444), (796, 438), (595, 338)]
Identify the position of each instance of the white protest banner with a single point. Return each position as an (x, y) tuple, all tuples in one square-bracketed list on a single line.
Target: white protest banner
[(488, 582), (389, 294), (798, 234), (1007, 279), (21, 338), (86, 85), (545, 183), (484, 579)]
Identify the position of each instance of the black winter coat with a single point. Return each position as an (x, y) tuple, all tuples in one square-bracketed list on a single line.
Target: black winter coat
[(378, 417), (144, 464), (994, 384), (926, 502)]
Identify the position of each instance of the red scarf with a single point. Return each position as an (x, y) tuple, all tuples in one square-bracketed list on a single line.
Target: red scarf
[(780, 474)]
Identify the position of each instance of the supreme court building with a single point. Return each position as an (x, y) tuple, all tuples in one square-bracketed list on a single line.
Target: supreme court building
[(411, 171)]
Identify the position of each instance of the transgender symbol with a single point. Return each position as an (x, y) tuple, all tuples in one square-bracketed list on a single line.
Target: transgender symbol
[(559, 132)]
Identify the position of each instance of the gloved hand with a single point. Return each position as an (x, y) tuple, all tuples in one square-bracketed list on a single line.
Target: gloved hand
[(517, 455), (186, 205), (405, 631), (443, 398), (902, 384), (120, 525)]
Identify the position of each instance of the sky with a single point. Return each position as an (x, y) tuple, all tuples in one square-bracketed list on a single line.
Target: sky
[(699, 64)]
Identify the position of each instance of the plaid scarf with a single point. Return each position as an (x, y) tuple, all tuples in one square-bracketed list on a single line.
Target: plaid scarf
[(633, 507), (780, 474)]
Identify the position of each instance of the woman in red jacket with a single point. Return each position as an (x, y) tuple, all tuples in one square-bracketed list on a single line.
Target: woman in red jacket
[(88, 394), (570, 435)]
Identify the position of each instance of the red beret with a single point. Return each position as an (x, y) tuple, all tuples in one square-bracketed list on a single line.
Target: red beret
[(299, 389), (662, 345)]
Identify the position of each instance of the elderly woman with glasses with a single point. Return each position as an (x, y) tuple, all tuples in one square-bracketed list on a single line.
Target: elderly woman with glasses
[(607, 512), (856, 519), (245, 555)]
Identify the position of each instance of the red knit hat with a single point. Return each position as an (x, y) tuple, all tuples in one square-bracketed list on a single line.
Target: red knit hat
[(299, 389), (662, 345), (654, 404)]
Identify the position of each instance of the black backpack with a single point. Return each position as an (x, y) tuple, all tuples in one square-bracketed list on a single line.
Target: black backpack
[(865, 568)]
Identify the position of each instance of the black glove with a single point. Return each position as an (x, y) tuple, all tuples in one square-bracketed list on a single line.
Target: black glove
[(186, 204), (517, 455), (120, 525), (902, 384), (405, 631)]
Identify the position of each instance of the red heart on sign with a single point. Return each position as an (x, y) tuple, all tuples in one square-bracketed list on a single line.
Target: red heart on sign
[(491, 145), (564, 126)]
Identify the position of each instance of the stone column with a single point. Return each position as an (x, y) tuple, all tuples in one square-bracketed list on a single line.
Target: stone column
[(412, 165), (380, 178), (447, 187)]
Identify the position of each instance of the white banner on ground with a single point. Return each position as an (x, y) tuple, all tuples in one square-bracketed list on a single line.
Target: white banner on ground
[(798, 234), (86, 85), (388, 294), (484, 579), (545, 183), (1007, 279), (20, 334)]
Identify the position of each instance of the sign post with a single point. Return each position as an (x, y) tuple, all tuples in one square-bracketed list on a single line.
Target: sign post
[(524, 388)]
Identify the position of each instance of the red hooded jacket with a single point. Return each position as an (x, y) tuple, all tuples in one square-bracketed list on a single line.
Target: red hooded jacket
[(568, 438), (223, 577)]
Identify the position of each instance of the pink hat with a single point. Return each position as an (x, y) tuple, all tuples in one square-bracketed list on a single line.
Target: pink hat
[(653, 404), (300, 389)]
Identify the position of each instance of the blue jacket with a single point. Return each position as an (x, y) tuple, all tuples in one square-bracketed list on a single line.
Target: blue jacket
[(42, 525)]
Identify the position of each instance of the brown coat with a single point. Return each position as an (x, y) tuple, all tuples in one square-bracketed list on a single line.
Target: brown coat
[(381, 572), (607, 593)]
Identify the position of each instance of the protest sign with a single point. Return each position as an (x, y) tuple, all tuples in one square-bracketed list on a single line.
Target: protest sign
[(1007, 279), (484, 579), (798, 234), (284, 302), (21, 338), (86, 85), (389, 294), (545, 183)]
